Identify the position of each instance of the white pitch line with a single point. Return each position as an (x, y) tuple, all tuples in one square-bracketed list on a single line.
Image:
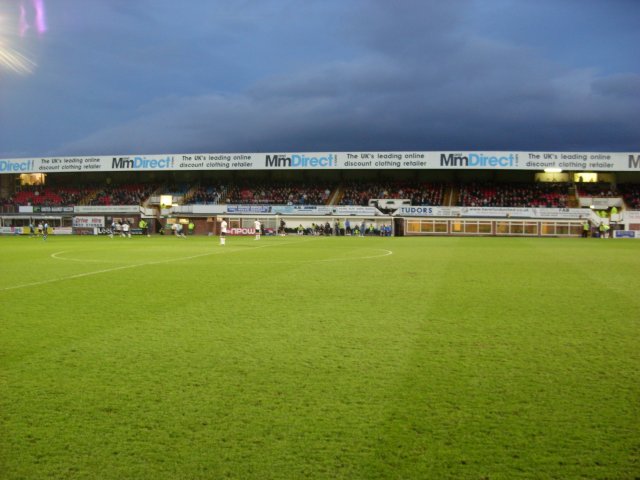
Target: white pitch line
[(55, 256), (325, 260), (123, 267), (389, 252), (97, 272)]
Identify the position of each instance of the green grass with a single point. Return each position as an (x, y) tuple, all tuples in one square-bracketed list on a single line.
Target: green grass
[(319, 358)]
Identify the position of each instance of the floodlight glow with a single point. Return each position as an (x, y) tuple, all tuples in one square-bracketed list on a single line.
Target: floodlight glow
[(166, 200)]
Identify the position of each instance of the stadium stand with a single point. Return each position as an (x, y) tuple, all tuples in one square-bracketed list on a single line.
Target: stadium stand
[(49, 196), (206, 195), (359, 193), (352, 193), (631, 195), (278, 194), (548, 195), (131, 194), (596, 189)]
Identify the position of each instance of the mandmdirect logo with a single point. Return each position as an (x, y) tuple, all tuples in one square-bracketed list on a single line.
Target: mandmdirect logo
[(478, 160), (299, 160), (141, 163), (24, 166), (634, 162)]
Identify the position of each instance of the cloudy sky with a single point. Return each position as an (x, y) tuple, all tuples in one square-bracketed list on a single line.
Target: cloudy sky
[(102, 77)]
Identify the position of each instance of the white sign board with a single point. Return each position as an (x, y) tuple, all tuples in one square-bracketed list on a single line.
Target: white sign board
[(88, 222), (402, 160)]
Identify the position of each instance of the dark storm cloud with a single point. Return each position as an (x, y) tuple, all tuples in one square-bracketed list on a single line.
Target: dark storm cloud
[(362, 75), (622, 86)]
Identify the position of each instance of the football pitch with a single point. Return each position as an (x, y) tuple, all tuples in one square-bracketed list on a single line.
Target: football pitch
[(319, 358)]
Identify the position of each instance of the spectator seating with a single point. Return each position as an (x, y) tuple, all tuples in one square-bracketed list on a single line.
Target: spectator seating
[(546, 195), (278, 194), (631, 195), (359, 193), (206, 195), (130, 194), (596, 189), (38, 196)]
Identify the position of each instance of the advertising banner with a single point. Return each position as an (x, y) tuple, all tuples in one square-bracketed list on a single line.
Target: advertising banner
[(359, 211), (402, 160), (52, 209), (632, 215), (241, 231), (88, 222), (107, 209), (302, 209), (249, 209), (196, 209), (494, 212), (626, 234), (325, 210)]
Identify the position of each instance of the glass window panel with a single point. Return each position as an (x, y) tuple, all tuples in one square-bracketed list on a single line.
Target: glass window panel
[(413, 226), (547, 228), (484, 227), (441, 227), (427, 226), (471, 227)]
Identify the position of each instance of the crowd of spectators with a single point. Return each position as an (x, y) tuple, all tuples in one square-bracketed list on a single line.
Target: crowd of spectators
[(546, 195), (49, 197), (278, 194), (539, 194), (631, 195), (597, 189), (359, 193), (176, 189), (132, 194), (6, 205), (206, 195)]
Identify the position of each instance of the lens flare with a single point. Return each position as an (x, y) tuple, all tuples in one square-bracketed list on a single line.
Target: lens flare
[(24, 25), (14, 61), (41, 21), (31, 15)]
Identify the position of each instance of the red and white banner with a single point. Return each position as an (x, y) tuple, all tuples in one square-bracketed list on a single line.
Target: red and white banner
[(241, 231), (88, 222)]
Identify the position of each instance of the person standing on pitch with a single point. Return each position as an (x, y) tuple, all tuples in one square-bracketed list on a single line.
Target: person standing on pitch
[(257, 226), (45, 230), (223, 231)]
